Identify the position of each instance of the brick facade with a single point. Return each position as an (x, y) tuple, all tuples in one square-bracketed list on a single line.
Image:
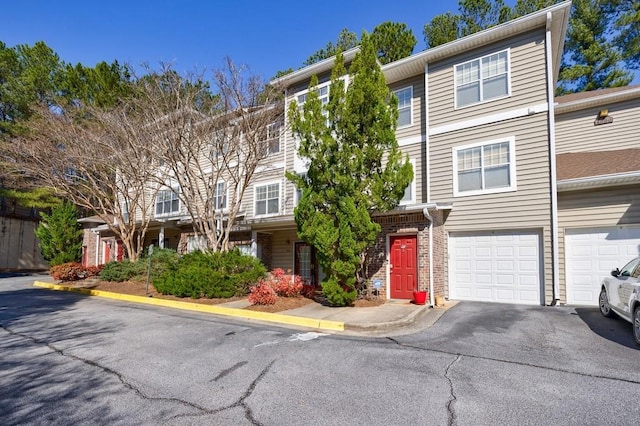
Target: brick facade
[(410, 224)]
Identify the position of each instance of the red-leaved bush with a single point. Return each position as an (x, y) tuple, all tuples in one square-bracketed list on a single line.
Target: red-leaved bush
[(73, 271), (70, 271), (277, 283), (262, 294), (283, 284)]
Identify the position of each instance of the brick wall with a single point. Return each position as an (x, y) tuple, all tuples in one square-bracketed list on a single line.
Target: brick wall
[(409, 224)]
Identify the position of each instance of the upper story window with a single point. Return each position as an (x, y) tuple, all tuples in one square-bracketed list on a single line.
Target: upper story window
[(267, 199), (482, 79), (220, 196), (272, 141), (410, 191), (167, 202), (405, 113), (484, 168)]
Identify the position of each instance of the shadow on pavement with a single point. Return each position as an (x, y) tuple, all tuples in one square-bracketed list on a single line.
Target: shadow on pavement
[(43, 379), (614, 329)]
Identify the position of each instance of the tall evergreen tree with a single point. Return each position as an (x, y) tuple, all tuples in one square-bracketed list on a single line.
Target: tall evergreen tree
[(591, 60), (60, 235), (393, 41), (346, 40), (355, 169)]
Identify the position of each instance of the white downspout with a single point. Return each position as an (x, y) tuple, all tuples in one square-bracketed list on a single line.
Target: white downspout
[(552, 165)]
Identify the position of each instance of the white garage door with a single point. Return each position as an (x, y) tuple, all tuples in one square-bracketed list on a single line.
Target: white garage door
[(592, 254), (498, 267)]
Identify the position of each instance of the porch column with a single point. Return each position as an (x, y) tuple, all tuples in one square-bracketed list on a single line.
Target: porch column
[(254, 243), (161, 237)]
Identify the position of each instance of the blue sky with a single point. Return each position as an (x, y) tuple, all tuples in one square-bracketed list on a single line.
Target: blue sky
[(265, 35), (197, 35)]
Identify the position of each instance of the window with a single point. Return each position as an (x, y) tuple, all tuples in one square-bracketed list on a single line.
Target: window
[(245, 249), (404, 106), (196, 242), (298, 190), (484, 168), (323, 95), (267, 199), (410, 190), (220, 196), (273, 138), (167, 202), (219, 145), (482, 79)]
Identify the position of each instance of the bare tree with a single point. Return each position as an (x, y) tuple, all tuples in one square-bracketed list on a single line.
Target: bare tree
[(97, 158), (211, 146)]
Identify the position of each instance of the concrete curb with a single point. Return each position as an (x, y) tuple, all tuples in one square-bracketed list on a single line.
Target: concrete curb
[(408, 320), (196, 307)]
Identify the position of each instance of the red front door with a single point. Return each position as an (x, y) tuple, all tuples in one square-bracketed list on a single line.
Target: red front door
[(403, 268)]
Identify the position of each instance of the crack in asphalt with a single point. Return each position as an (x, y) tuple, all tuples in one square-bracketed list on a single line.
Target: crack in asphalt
[(202, 411), (507, 361), (248, 413), (452, 395)]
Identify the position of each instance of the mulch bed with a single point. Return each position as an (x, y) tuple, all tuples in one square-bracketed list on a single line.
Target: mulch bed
[(137, 288)]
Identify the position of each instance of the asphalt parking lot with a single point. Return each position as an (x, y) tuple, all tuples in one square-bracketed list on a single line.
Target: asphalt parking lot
[(70, 359)]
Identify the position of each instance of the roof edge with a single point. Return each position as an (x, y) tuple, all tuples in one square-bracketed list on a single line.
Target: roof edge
[(592, 182), (620, 96)]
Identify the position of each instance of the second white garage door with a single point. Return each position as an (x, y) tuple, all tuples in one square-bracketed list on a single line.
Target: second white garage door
[(591, 254), (497, 267)]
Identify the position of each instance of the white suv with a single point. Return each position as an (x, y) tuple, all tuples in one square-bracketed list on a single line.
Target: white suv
[(620, 294)]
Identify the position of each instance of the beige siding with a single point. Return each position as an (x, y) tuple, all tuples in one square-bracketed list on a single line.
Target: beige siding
[(282, 248), (575, 131), (528, 207), (593, 209), (528, 81)]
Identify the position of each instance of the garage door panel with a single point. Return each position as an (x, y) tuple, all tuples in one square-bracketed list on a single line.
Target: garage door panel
[(591, 254), (502, 267)]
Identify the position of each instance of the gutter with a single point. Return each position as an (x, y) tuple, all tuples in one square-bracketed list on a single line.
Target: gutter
[(592, 182)]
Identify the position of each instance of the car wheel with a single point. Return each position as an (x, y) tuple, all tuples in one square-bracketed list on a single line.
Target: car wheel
[(636, 325), (605, 309)]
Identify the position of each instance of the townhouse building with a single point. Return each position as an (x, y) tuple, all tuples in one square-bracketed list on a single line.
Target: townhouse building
[(516, 196)]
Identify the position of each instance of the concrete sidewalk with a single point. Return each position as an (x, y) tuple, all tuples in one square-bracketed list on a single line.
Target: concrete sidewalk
[(392, 316)]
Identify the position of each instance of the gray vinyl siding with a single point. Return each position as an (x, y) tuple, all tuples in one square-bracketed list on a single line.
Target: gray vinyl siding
[(527, 208), (576, 132), (528, 81), (594, 209)]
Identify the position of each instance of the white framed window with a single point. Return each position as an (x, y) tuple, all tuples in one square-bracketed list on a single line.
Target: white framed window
[(405, 109), (298, 191), (267, 199), (167, 202), (196, 242), (219, 144), (272, 142), (410, 190), (323, 95), (220, 196), (245, 249), (484, 168), (482, 79)]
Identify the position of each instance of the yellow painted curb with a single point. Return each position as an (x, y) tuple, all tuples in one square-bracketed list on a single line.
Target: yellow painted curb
[(197, 307)]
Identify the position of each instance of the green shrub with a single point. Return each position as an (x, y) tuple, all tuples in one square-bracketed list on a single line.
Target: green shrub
[(337, 295), (212, 275), (161, 260), (123, 271)]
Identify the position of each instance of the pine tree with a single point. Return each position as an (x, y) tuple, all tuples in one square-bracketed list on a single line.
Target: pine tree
[(355, 169), (60, 235)]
